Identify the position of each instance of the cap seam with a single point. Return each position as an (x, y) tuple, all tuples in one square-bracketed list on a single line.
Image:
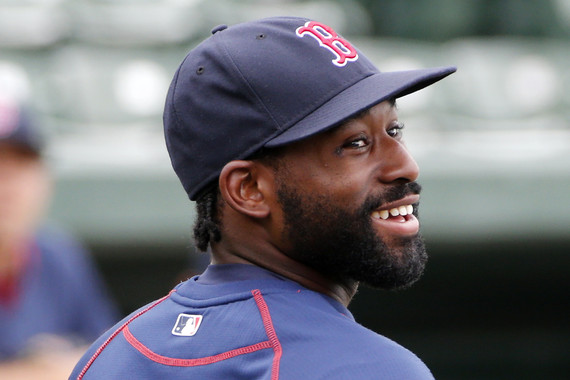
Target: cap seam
[(251, 89)]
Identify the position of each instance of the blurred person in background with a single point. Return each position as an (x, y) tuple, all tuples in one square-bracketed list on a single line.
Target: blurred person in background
[(51, 296)]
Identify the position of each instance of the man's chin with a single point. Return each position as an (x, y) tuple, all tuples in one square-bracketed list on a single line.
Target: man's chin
[(395, 268)]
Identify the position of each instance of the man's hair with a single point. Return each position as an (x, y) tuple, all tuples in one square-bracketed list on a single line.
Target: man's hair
[(207, 226)]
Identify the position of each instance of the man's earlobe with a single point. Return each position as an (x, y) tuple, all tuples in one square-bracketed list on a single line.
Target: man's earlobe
[(240, 189)]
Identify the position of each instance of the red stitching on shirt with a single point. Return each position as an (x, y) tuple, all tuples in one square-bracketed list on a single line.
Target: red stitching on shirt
[(191, 362), (110, 338), (273, 343), (270, 330)]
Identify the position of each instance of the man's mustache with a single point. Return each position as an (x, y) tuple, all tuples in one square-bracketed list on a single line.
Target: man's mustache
[(392, 194)]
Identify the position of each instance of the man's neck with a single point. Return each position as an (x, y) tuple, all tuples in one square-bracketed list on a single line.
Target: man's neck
[(268, 257)]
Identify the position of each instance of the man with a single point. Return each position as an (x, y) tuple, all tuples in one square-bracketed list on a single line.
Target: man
[(288, 138), (51, 297)]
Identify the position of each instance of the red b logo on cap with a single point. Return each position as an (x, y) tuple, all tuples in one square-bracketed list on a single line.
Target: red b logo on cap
[(328, 38)]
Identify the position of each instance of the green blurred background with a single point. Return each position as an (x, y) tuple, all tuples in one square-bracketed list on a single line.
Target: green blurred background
[(493, 143)]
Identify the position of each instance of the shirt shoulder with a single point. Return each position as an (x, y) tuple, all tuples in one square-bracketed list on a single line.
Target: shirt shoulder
[(256, 330), (319, 338)]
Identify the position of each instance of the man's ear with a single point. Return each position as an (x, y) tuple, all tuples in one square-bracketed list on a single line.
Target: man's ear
[(242, 186)]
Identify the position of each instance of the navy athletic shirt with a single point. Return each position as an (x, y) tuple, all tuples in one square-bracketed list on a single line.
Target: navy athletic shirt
[(59, 293), (238, 321)]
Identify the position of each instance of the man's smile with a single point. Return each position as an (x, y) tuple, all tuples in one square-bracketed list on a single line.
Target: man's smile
[(398, 216), (393, 212)]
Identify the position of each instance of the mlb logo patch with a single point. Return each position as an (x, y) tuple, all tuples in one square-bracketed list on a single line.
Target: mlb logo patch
[(186, 325)]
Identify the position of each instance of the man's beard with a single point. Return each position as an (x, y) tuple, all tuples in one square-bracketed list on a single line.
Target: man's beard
[(341, 243)]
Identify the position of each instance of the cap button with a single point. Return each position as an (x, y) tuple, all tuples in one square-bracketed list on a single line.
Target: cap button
[(219, 28)]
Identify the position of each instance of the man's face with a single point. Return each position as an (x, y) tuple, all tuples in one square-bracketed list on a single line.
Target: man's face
[(24, 190), (339, 192)]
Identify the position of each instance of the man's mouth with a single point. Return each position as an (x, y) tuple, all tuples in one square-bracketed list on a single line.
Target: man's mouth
[(393, 212), (397, 218)]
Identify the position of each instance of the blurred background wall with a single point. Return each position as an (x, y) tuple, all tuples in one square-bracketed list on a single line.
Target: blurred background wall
[(493, 143)]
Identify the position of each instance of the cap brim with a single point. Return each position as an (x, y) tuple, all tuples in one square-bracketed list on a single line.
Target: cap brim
[(362, 95)]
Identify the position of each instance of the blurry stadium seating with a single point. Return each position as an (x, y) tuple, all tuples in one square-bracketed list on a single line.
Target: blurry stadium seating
[(131, 23), (32, 23)]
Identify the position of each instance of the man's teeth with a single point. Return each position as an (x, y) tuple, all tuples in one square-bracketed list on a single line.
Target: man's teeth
[(385, 214)]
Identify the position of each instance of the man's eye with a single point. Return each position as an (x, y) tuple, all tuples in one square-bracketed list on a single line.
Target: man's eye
[(357, 143), (396, 130)]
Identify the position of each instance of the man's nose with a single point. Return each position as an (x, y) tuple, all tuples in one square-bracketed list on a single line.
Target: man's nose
[(397, 164)]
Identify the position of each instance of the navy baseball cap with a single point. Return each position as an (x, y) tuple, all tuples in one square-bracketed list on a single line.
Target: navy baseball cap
[(269, 83), (17, 127)]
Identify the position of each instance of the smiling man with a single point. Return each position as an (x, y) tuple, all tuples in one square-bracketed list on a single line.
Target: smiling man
[(356, 191), (288, 139)]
